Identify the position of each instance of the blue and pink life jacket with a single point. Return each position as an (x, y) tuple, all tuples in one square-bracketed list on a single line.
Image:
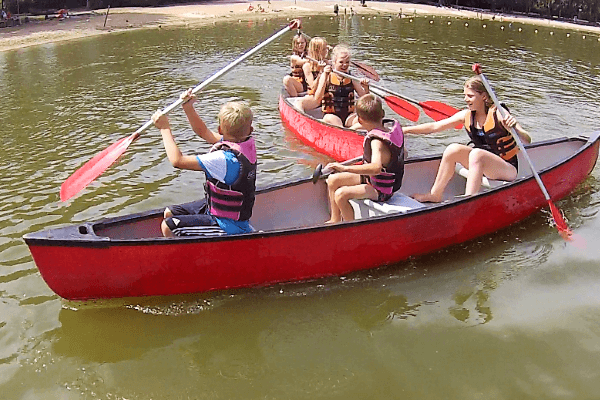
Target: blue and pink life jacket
[(234, 201)]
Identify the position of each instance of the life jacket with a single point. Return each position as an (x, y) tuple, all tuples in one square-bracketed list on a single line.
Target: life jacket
[(339, 96), (297, 71), (389, 179), (495, 138), (234, 201)]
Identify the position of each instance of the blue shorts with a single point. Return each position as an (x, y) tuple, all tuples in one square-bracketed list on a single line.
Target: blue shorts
[(193, 219)]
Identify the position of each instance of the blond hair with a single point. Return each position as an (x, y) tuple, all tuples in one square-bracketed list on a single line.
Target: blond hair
[(297, 39), (317, 48), (338, 51), (235, 118), (475, 83), (370, 108)]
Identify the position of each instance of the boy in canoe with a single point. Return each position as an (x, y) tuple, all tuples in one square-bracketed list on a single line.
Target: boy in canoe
[(230, 168), (381, 173)]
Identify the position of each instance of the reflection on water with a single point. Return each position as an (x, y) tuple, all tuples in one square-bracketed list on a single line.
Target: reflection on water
[(529, 299)]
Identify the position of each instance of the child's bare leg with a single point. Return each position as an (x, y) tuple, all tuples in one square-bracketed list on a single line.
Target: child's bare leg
[(292, 86), (333, 120), (454, 153), (345, 193), (482, 162), (308, 102), (334, 182), (352, 121), (166, 231)]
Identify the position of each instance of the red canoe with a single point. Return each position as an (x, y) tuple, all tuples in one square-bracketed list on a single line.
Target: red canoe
[(336, 142), (125, 256)]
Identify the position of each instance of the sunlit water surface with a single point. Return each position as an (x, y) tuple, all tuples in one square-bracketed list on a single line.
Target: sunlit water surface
[(512, 315)]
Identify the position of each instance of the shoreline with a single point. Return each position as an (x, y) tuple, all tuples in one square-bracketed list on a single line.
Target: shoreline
[(91, 23)]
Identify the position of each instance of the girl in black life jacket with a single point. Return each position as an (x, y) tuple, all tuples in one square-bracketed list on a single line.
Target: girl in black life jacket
[(337, 93), (494, 154)]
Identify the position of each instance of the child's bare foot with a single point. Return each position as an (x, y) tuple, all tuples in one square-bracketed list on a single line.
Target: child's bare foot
[(330, 221), (426, 198)]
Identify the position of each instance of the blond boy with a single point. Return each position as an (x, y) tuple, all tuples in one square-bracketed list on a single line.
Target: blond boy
[(230, 168)]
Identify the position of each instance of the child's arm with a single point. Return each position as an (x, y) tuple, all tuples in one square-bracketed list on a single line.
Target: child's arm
[(197, 124), (361, 87), (511, 122), (297, 60), (380, 156), (174, 155), (438, 126)]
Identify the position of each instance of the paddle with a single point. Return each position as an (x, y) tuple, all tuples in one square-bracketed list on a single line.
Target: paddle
[(559, 221), (365, 69), (99, 163), (319, 171), (400, 104)]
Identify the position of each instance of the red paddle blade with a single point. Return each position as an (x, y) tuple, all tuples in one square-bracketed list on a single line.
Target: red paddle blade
[(403, 108), (366, 70), (439, 111), (93, 168), (561, 225)]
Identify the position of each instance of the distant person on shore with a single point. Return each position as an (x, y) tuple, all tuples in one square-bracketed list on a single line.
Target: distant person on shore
[(382, 171), (494, 151), (230, 168)]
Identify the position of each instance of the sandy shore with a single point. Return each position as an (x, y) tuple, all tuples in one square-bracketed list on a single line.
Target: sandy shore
[(84, 24)]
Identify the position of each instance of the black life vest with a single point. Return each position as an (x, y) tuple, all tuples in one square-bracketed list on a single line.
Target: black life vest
[(339, 96), (495, 138), (389, 180), (234, 201)]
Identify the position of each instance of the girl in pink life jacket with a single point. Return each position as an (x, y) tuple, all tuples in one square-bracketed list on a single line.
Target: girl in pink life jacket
[(494, 151), (381, 173), (230, 168)]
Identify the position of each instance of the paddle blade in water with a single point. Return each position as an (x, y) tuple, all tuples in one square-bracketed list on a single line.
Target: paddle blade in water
[(93, 168), (366, 70), (439, 111), (561, 225), (403, 108)]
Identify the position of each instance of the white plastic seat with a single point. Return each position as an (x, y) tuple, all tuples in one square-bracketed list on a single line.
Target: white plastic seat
[(399, 203)]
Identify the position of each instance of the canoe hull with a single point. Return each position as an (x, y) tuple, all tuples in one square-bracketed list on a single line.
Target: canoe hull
[(77, 265), (338, 143)]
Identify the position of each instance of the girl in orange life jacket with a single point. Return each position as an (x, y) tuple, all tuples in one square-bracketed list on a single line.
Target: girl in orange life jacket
[(295, 82), (337, 93), (230, 169), (494, 154), (383, 168)]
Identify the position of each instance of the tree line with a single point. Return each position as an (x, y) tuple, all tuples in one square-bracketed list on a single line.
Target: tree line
[(577, 10)]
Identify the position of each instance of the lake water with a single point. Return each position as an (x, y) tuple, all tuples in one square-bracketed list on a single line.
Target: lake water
[(512, 315)]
